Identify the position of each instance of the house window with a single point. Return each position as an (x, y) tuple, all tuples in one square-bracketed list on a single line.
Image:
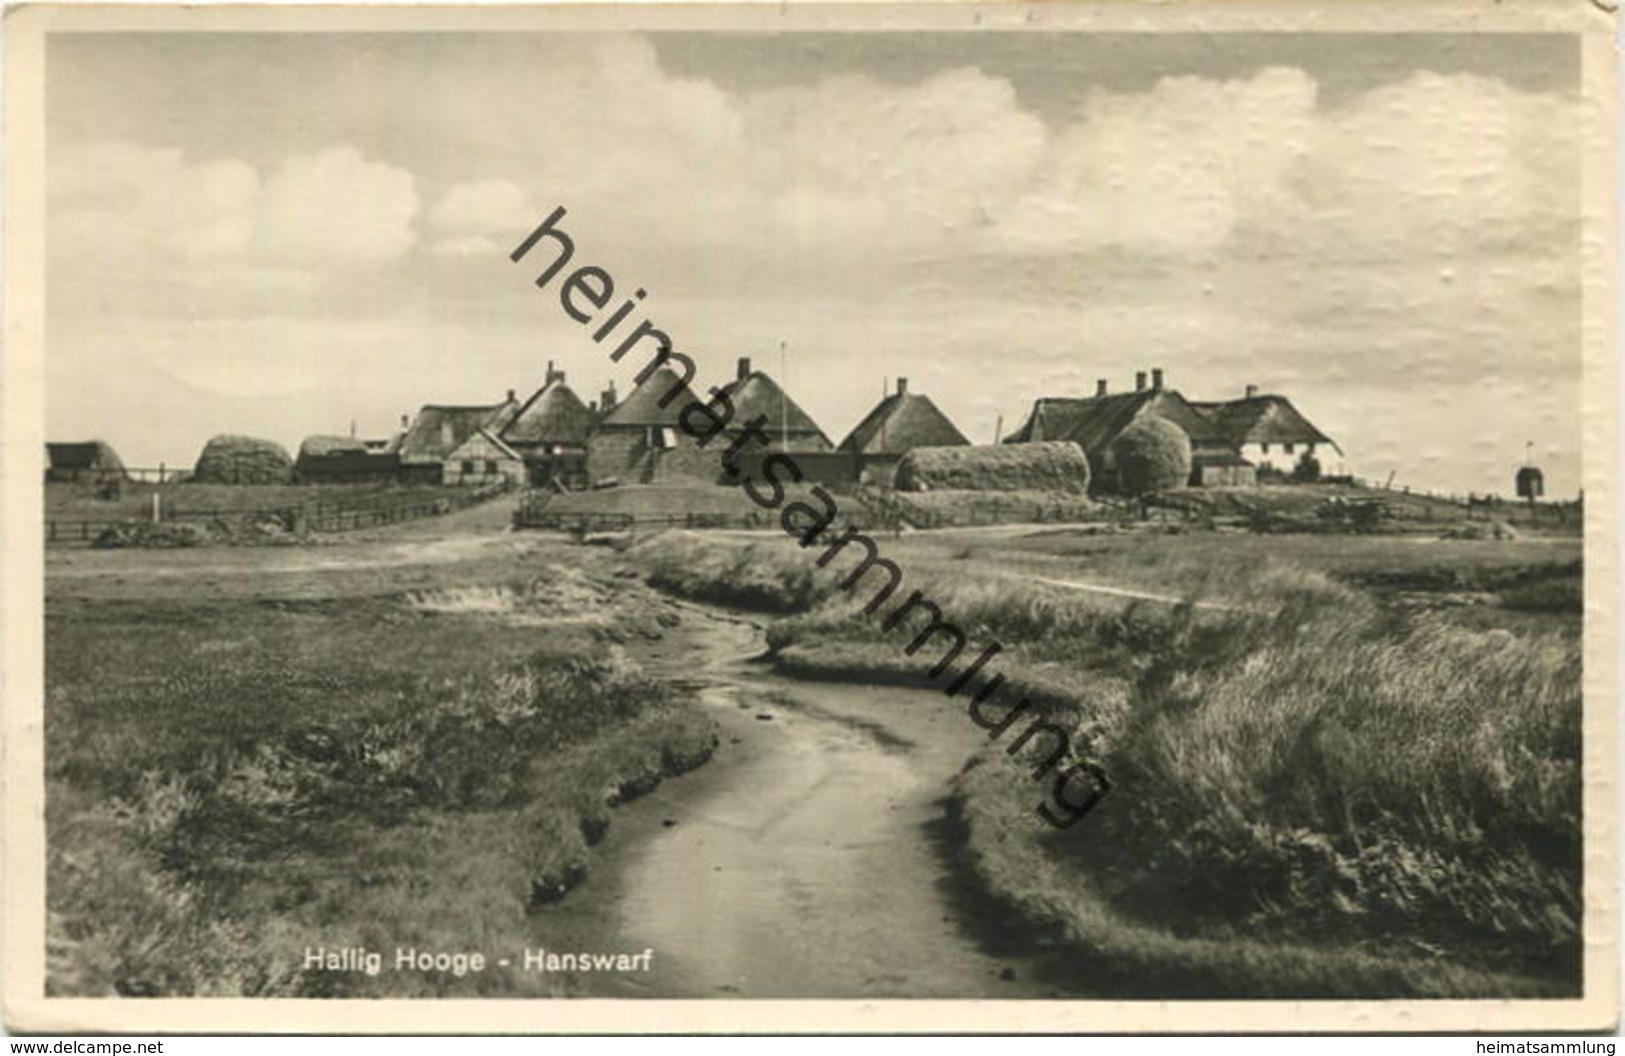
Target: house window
[(491, 466), (468, 467), (1288, 448), (1264, 448), (662, 438)]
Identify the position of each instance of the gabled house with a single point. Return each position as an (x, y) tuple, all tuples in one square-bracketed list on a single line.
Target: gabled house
[(640, 440), (483, 459), (1271, 433), (789, 428), (897, 425), (1093, 423), (427, 445), (550, 433)]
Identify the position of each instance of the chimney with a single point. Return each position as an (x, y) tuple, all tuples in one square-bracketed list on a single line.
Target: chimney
[(744, 367), (553, 375), (902, 386), (510, 396), (1139, 381), (606, 400), (406, 421), (1156, 379), (1252, 390), (1100, 386)]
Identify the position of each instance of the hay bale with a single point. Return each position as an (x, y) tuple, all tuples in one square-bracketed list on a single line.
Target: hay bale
[(243, 460), (321, 446), (1047, 465)]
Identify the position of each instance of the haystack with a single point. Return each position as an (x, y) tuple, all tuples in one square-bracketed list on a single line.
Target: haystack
[(243, 460), (1052, 465)]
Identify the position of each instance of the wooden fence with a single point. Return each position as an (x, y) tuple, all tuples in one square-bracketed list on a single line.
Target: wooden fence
[(320, 516)]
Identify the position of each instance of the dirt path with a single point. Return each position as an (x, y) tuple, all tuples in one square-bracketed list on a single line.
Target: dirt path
[(808, 860)]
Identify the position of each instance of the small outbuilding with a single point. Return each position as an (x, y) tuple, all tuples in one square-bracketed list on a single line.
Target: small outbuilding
[(345, 460), (85, 460)]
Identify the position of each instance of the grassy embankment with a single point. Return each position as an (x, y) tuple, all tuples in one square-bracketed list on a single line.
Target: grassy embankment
[(332, 760), (1316, 794)]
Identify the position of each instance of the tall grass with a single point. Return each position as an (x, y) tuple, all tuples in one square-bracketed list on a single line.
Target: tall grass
[(1307, 767), (228, 785)]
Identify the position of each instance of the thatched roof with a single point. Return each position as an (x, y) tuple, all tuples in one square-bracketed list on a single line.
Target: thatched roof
[(1263, 420), (787, 424), (83, 455), (641, 408), (554, 414), (901, 422), (1055, 465), (1095, 422), (324, 446), (438, 430)]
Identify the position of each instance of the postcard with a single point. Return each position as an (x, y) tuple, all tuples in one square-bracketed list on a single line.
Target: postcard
[(811, 517)]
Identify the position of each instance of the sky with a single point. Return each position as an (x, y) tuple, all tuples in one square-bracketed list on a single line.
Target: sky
[(280, 234)]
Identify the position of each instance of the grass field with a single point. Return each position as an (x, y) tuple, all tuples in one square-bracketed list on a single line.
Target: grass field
[(246, 760), (1380, 795)]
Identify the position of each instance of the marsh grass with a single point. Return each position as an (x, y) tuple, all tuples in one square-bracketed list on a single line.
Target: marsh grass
[(231, 781), (1388, 793)]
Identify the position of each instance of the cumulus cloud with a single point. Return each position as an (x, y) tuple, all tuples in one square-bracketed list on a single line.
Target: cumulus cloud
[(1240, 228), (337, 207), (110, 202)]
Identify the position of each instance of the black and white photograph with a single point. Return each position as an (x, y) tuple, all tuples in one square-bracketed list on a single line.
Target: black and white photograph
[(972, 503)]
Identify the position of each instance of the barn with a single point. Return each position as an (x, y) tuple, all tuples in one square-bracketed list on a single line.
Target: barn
[(550, 433), (897, 425)]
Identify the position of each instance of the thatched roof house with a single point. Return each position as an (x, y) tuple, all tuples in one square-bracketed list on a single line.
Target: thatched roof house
[(901, 422), (439, 429), (1271, 433), (1045, 465), (554, 416), (789, 428), (66, 462), (1095, 422), (640, 441), (1263, 420)]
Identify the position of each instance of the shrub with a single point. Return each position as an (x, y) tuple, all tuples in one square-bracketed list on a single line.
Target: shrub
[(1152, 455)]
